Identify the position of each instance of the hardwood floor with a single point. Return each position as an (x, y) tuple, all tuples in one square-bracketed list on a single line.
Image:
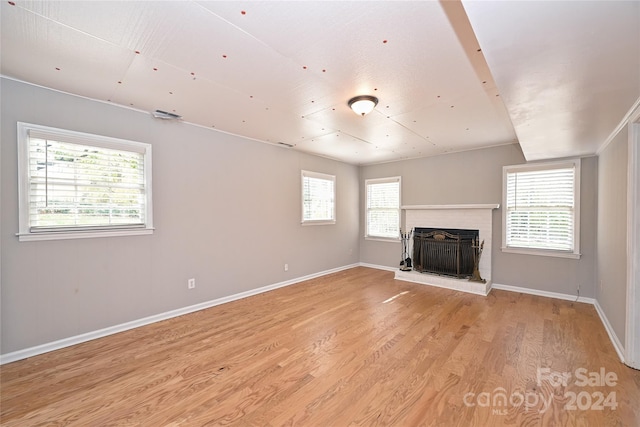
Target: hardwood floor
[(351, 348)]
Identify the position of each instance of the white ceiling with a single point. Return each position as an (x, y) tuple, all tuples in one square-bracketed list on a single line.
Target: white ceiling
[(282, 72)]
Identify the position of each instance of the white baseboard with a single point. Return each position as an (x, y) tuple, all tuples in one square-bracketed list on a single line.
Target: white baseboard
[(378, 267), (612, 335), (77, 339), (603, 318), (547, 294)]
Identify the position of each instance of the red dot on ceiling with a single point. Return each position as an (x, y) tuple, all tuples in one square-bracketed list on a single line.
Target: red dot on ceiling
[(452, 106), (119, 83), (155, 69), (137, 52), (384, 41), (250, 96), (170, 93), (193, 74), (224, 56), (12, 3), (438, 96), (324, 71), (57, 68), (304, 67), (244, 12)]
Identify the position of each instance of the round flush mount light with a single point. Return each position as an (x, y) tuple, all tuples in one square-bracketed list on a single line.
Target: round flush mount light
[(363, 104)]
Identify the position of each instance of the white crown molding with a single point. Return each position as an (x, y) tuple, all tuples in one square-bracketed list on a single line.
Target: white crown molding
[(634, 111)]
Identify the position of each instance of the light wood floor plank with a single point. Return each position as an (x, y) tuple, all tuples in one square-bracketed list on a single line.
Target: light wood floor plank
[(353, 348)]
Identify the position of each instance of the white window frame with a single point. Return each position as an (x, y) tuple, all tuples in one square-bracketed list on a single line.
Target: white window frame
[(316, 175), (373, 181), (26, 234), (571, 163)]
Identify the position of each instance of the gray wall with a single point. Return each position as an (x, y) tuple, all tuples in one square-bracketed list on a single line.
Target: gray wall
[(475, 177), (214, 197), (216, 194), (612, 232)]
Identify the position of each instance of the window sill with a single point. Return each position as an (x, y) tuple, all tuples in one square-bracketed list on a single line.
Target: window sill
[(382, 239), (542, 252), (318, 222), (31, 237)]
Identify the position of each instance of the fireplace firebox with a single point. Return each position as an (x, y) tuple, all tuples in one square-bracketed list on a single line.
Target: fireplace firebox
[(444, 251)]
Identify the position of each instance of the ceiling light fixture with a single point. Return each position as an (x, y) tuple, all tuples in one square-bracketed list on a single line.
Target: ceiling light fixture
[(363, 104)]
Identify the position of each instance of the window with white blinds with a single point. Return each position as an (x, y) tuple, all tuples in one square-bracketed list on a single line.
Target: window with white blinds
[(318, 198), (383, 208), (81, 185), (541, 208)]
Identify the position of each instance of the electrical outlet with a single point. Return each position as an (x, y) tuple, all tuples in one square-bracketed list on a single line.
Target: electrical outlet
[(191, 284), (286, 267)]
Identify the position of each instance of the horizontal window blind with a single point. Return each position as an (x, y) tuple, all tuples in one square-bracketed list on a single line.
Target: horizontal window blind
[(540, 208), (78, 187), (383, 207), (318, 197)]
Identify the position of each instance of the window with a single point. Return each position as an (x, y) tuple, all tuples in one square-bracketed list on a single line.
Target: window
[(541, 209), (74, 185), (318, 198), (383, 208)]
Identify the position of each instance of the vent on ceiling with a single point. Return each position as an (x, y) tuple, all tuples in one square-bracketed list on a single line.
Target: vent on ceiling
[(285, 144), (159, 114)]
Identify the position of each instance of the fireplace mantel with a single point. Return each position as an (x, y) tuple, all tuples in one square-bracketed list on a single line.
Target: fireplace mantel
[(468, 216)]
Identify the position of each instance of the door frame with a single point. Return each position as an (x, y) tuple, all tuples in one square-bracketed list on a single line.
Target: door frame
[(632, 330)]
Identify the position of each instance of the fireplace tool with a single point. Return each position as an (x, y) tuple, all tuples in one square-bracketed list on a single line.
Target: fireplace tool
[(477, 252), (405, 262)]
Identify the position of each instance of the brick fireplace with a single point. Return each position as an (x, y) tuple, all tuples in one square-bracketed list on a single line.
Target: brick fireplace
[(473, 216)]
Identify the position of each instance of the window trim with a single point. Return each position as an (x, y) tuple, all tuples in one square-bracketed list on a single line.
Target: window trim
[(574, 163), (25, 234), (367, 236), (317, 175)]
